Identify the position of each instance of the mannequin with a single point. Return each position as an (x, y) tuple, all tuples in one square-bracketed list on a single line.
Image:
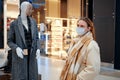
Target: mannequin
[(24, 42), (26, 10), (24, 15)]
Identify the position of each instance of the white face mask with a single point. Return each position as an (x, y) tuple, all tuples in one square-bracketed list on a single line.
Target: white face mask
[(80, 31)]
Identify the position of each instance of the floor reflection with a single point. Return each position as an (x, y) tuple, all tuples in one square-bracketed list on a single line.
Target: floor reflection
[(50, 68)]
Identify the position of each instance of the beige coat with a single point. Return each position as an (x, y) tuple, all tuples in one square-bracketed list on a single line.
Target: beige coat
[(83, 62), (90, 66)]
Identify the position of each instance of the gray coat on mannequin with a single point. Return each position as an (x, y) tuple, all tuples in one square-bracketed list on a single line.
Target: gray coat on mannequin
[(22, 69)]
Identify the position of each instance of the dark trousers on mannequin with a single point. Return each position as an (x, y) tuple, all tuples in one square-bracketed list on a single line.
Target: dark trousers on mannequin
[(27, 58)]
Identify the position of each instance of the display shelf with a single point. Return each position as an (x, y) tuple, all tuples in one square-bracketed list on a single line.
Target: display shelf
[(62, 31)]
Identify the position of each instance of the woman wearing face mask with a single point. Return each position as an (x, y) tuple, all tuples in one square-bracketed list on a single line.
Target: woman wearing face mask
[(83, 62)]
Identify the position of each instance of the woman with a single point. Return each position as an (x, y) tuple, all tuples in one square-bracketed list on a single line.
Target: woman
[(83, 62)]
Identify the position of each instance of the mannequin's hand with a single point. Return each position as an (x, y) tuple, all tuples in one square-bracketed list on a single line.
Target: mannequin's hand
[(38, 54), (19, 52)]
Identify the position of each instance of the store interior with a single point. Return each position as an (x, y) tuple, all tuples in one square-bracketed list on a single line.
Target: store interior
[(56, 21), (59, 19)]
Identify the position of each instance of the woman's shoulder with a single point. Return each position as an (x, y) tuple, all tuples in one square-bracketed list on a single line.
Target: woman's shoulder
[(93, 44)]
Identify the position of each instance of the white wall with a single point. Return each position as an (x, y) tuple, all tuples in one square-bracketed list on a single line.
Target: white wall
[(12, 11)]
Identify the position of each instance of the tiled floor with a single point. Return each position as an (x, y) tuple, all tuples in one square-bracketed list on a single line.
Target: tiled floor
[(50, 68)]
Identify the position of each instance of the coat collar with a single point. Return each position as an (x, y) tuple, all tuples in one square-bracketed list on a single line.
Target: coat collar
[(20, 27), (32, 26)]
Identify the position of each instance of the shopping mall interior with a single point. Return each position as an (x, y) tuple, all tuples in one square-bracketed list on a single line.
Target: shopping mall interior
[(58, 19)]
